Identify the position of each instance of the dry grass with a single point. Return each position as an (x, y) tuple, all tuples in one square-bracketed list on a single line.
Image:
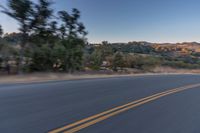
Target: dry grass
[(174, 70), (42, 77)]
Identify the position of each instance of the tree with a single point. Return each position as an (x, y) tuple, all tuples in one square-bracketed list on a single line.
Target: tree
[(43, 36), (73, 27), (41, 14), (96, 59), (73, 34), (62, 31), (105, 42), (47, 44), (1, 31), (13, 38), (107, 50), (74, 54), (20, 10), (118, 61), (42, 59)]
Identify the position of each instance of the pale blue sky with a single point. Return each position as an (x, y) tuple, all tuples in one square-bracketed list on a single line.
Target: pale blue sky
[(132, 20)]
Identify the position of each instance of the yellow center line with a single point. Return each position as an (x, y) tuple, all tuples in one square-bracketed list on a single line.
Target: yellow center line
[(109, 113), (103, 113)]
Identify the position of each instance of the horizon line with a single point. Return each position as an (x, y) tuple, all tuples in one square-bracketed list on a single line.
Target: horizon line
[(178, 42)]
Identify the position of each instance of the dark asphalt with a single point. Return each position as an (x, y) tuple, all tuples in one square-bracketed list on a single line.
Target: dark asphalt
[(40, 107)]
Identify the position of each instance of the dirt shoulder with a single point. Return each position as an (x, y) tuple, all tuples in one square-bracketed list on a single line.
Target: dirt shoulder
[(44, 77)]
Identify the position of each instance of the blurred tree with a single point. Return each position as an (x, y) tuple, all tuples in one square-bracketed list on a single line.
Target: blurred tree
[(13, 38), (43, 36), (20, 10), (71, 26), (47, 44), (42, 59), (74, 54), (1, 31), (41, 14), (73, 39), (105, 42)]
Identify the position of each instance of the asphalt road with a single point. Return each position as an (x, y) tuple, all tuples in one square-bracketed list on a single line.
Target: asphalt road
[(43, 107)]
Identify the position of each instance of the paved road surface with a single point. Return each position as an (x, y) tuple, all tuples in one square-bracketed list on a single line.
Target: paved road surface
[(42, 107)]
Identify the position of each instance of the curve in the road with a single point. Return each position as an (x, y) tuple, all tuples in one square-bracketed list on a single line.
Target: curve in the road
[(79, 125)]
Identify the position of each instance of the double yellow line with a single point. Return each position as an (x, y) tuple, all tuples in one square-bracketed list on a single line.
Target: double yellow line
[(81, 124)]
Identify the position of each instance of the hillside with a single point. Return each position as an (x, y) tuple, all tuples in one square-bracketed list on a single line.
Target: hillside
[(170, 49), (145, 54)]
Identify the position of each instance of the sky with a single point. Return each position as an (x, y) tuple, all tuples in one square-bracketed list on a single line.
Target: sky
[(131, 20)]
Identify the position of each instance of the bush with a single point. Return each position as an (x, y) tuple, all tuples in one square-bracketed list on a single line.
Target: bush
[(146, 63)]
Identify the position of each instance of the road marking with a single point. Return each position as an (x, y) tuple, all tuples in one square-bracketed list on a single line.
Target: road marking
[(74, 127), (103, 113)]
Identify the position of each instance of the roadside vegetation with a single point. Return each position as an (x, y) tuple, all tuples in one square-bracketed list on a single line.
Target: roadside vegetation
[(47, 40), (50, 41)]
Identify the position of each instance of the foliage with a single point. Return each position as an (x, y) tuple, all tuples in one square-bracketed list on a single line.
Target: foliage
[(96, 59), (118, 61), (1, 31), (47, 42)]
